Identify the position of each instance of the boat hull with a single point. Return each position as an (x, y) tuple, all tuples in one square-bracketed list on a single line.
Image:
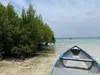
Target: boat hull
[(76, 61)]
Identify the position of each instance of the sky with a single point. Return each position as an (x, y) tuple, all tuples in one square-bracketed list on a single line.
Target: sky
[(67, 18)]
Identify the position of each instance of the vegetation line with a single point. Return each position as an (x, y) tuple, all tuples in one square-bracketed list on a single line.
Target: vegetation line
[(22, 36)]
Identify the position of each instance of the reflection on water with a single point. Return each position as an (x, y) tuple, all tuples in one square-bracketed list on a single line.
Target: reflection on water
[(90, 45)]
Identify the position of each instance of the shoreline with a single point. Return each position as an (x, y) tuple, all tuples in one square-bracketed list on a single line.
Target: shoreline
[(38, 65)]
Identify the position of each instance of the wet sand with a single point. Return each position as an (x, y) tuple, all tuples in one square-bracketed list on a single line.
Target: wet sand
[(39, 65)]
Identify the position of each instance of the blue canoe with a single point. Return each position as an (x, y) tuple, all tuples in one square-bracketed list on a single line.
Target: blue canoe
[(76, 61)]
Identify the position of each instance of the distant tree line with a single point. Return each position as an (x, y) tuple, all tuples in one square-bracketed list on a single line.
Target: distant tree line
[(22, 36)]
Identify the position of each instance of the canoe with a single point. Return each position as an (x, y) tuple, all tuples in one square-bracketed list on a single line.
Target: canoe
[(76, 61)]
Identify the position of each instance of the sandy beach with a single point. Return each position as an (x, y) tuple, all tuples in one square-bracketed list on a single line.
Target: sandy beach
[(43, 64), (35, 33), (40, 65)]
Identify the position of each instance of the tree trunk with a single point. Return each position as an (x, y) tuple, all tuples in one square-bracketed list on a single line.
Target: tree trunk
[(46, 44)]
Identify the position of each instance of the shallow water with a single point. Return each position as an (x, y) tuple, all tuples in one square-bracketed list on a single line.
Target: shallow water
[(42, 65), (90, 45)]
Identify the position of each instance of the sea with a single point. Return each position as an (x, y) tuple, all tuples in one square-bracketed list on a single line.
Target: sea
[(90, 44)]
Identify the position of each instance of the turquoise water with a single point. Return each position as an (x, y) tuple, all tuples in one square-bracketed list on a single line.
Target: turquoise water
[(90, 45)]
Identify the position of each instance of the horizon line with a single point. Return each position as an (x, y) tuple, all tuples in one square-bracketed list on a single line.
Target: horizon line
[(77, 37)]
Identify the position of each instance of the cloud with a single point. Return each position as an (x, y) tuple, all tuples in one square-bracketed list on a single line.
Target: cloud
[(66, 17), (19, 3), (5, 2)]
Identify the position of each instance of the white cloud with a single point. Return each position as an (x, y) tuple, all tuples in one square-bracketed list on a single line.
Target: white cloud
[(67, 17), (19, 3), (5, 2)]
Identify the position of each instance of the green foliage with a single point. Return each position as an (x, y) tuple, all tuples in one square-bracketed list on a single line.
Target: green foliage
[(22, 36), (21, 50)]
